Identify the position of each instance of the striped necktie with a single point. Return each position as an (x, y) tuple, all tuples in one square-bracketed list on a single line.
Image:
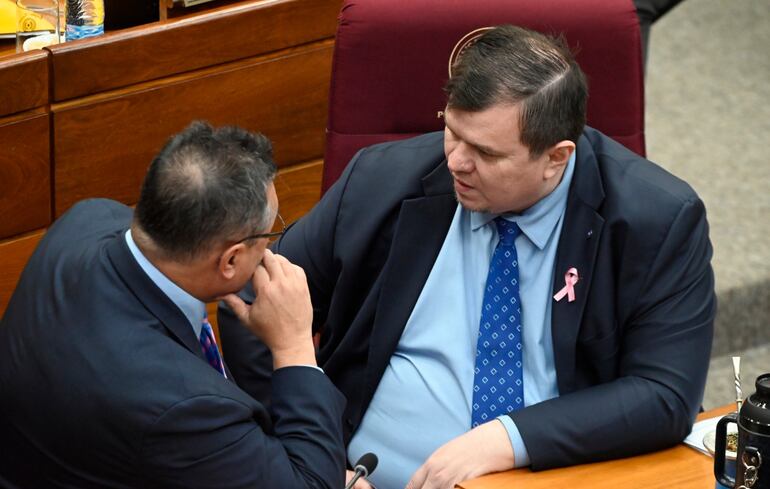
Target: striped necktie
[(209, 346)]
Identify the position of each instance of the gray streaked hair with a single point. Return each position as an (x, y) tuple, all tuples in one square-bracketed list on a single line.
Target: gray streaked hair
[(207, 185)]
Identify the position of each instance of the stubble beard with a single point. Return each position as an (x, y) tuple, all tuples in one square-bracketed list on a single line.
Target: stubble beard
[(469, 207)]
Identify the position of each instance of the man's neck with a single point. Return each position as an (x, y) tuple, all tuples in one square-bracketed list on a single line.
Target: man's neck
[(183, 274)]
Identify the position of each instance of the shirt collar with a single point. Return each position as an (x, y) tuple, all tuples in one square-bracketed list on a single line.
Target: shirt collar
[(539, 221), (192, 308)]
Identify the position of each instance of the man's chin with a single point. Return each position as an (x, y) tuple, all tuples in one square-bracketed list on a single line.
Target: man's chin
[(227, 292), (469, 205)]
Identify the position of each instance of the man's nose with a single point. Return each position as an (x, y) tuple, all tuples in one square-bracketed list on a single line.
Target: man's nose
[(459, 159)]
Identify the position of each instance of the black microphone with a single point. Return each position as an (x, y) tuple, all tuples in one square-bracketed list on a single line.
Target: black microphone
[(364, 467)]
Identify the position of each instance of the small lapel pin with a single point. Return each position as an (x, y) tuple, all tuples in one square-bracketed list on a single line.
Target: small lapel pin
[(589, 233), (570, 279)]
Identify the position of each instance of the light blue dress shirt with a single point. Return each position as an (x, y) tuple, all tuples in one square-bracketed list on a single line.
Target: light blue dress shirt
[(192, 308), (424, 397)]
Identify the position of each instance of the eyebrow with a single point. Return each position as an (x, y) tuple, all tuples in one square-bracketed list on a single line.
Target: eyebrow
[(480, 147)]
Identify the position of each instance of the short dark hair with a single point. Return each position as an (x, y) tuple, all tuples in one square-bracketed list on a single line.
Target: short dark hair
[(206, 185), (510, 64)]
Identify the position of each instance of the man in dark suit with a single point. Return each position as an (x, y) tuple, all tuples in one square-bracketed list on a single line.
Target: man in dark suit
[(518, 291), (110, 374)]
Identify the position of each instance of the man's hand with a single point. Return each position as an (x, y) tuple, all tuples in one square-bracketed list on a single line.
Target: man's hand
[(480, 451), (360, 483), (281, 314)]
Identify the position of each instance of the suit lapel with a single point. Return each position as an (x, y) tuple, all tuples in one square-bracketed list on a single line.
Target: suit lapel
[(578, 245), (152, 297), (420, 232)]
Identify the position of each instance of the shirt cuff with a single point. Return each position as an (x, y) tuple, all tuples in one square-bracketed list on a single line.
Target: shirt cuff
[(520, 455), (305, 366)]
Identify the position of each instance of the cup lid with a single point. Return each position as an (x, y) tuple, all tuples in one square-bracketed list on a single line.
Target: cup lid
[(755, 412)]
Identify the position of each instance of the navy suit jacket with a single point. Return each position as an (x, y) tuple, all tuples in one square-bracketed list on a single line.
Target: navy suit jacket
[(103, 383), (631, 352)]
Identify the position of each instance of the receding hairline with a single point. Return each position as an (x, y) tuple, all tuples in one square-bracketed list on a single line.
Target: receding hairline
[(512, 65), (205, 187)]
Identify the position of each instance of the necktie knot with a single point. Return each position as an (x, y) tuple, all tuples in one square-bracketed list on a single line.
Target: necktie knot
[(508, 231)]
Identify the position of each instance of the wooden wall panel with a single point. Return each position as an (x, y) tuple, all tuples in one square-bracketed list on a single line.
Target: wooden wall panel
[(23, 82), (13, 257), (163, 49), (298, 188), (104, 144), (25, 173)]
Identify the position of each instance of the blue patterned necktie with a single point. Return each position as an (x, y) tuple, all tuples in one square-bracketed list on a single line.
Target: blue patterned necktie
[(498, 387), (209, 346)]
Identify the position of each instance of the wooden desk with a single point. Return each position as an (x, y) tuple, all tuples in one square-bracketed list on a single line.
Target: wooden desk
[(680, 467), (7, 47)]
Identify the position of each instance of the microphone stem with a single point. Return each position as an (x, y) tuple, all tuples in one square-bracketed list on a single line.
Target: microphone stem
[(354, 479)]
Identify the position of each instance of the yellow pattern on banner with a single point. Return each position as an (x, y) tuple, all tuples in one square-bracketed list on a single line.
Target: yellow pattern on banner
[(29, 22)]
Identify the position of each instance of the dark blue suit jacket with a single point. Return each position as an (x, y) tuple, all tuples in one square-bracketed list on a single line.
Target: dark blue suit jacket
[(631, 352), (103, 383)]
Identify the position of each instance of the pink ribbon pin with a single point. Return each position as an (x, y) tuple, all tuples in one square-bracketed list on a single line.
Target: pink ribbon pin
[(570, 279)]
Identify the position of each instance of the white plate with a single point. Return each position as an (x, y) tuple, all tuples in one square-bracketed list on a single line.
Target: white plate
[(710, 442)]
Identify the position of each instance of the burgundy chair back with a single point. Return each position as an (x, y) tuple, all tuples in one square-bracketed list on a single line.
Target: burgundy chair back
[(391, 56)]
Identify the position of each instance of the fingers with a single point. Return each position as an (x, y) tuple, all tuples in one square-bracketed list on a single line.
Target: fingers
[(239, 308), (482, 450), (290, 270), (300, 273), (362, 484), (418, 478), (272, 263), (260, 278), (278, 266)]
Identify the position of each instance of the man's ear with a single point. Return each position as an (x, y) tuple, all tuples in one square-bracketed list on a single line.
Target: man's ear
[(228, 260), (558, 157)]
